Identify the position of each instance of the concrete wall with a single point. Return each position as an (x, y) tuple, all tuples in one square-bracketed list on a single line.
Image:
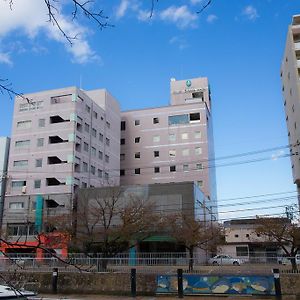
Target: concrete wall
[(114, 283)]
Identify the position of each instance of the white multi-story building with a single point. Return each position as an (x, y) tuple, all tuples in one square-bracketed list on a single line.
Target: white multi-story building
[(68, 138), (61, 140), (172, 143), (290, 77)]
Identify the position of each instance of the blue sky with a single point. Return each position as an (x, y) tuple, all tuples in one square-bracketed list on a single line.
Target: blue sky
[(237, 44)]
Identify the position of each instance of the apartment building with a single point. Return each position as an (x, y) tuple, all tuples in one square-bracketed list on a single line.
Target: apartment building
[(290, 77), (61, 140), (172, 143), (4, 150)]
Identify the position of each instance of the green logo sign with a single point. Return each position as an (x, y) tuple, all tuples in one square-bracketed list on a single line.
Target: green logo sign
[(188, 83)]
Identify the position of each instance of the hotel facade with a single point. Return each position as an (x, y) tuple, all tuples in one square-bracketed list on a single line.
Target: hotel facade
[(68, 139)]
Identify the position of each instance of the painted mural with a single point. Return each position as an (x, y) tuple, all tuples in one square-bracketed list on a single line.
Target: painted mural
[(202, 284)]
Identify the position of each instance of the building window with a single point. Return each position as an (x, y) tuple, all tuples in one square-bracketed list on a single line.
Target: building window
[(85, 167), (122, 172), (123, 125), (106, 176), (39, 163), (194, 117), (247, 235), (20, 163), (100, 137), (24, 143), (178, 119), (172, 168), (184, 136), (100, 173), (155, 120), (185, 152), (20, 229), (94, 132), (95, 115), (84, 185), (41, 122), (85, 146), (122, 156), (93, 151), (156, 169), (87, 108), (198, 95), (107, 124), (200, 183), (93, 170), (136, 122), (197, 134), (107, 141), (18, 183), (137, 171), (37, 184), (172, 137), (40, 142), (100, 155), (241, 251), (156, 139), (199, 166), (24, 124), (185, 168), (86, 127), (137, 139), (122, 141), (106, 158), (156, 153), (137, 155), (16, 205), (198, 150), (172, 153)]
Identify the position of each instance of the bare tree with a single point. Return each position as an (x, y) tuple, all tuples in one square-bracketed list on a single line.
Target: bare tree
[(193, 234), (284, 233), (107, 221)]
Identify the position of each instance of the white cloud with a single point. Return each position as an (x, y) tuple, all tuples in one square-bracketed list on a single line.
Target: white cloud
[(211, 18), (195, 2), (29, 17), (145, 15), (179, 41), (181, 16), (277, 155), (122, 8), (5, 59), (250, 12)]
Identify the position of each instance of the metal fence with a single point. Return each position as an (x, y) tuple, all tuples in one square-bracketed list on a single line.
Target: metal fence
[(144, 262)]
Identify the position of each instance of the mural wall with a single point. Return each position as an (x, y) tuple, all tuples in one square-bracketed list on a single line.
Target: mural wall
[(202, 284)]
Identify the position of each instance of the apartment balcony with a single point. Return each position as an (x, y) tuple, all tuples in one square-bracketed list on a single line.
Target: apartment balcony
[(298, 63), (297, 45)]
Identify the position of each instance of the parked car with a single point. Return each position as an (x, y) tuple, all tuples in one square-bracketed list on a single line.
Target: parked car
[(284, 260), (223, 259)]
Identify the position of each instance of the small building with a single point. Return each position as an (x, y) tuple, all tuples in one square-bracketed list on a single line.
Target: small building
[(167, 198), (242, 241)]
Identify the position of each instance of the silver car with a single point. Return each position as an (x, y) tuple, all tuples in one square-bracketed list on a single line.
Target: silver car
[(224, 259)]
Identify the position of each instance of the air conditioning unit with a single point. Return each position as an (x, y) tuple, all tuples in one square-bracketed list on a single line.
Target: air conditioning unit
[(24, 189)]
